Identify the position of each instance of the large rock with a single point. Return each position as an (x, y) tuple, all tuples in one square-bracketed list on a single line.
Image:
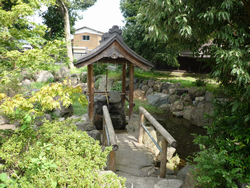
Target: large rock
[(199, 99), (3, 120), (102, 84), (183, 172), (149, 92), (145, 88), (196, 92), (64, 71), (190, 181), (44, 76), (197, 115), (209, 96), (177, 106), (115, 97), (166, 85), (186, 99), (173, 98), (95, 134), (165, 107), (26, 82), (187, 113), (158, 99), (83, 77), (157, 87), (181, 91), (151, 83), (139, 94), (63, 111), (165, 183)]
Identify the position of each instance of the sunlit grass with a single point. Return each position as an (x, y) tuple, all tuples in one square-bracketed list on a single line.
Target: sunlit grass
[(78, 70)]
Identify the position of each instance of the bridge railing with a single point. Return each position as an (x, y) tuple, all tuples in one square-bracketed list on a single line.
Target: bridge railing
[(109, 138), (166, 137)]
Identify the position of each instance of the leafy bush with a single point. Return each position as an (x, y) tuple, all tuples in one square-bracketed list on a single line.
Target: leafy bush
[(200, 82), (97, 83), (56, 155), (99, 68), (117, 86), (225, 155)]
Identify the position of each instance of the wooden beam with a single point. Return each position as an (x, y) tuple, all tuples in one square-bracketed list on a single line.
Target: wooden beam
[(123, 81), (163, 158), (110, 128), (141, 130), (112, 161), (90, 78), (159, 127), (131, 94)]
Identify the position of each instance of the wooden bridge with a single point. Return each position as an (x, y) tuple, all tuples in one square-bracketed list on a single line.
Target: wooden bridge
[(131, 159)]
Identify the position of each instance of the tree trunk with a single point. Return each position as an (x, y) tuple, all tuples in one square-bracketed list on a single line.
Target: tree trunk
[(67, 34)]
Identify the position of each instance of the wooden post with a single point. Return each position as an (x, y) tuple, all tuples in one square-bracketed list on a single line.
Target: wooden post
[(112, 161), (140, 135), (104, 136), (91, 92), (163, 158), (131, 94), (123, 81)]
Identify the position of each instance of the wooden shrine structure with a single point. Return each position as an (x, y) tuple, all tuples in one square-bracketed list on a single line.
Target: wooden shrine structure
[(112, 49)]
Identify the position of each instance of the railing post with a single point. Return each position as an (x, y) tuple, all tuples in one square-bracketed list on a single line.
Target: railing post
[(104, 136), (112, 161), (163, 158), (140, 135)]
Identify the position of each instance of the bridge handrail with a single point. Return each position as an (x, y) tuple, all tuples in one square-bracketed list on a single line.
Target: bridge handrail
[(167, 138), (109, 136)]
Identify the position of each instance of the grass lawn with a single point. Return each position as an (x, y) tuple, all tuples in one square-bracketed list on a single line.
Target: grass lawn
[(186, 79)]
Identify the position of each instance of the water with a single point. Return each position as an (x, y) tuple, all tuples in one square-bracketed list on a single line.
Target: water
[(181, 130)]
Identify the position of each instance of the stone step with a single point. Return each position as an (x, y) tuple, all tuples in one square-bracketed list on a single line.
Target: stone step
[(149, 182)]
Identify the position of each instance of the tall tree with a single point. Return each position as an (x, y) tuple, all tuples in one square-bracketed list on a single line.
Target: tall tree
[(134, 36), (67, 10), (224, 26), (16, 30)]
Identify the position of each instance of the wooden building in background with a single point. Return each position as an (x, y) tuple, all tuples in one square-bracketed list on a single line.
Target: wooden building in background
[(85, 40)]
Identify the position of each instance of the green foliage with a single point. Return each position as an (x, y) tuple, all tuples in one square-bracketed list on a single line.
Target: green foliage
[(117, 86), (220, 29), (3, 179), (9, 86), (200, 82), (97, 82), (18, 31), (78, 108), (57, 155), (227, 143), (54, 17), (134, 36), (99, 68)]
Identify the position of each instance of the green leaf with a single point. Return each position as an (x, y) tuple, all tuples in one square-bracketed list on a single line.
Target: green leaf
[(235, 106), (3, 177)]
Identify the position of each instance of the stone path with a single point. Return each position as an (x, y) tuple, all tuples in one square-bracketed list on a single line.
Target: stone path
[(136, 163)]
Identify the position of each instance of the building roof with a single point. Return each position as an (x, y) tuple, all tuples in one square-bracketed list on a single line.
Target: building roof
[(112, 49), (88, 30)]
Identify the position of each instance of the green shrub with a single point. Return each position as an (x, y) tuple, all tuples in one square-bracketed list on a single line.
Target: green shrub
[(225, 155), (97, 83), (56, 155), (117, 86), (99, 68), (200, 82)]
